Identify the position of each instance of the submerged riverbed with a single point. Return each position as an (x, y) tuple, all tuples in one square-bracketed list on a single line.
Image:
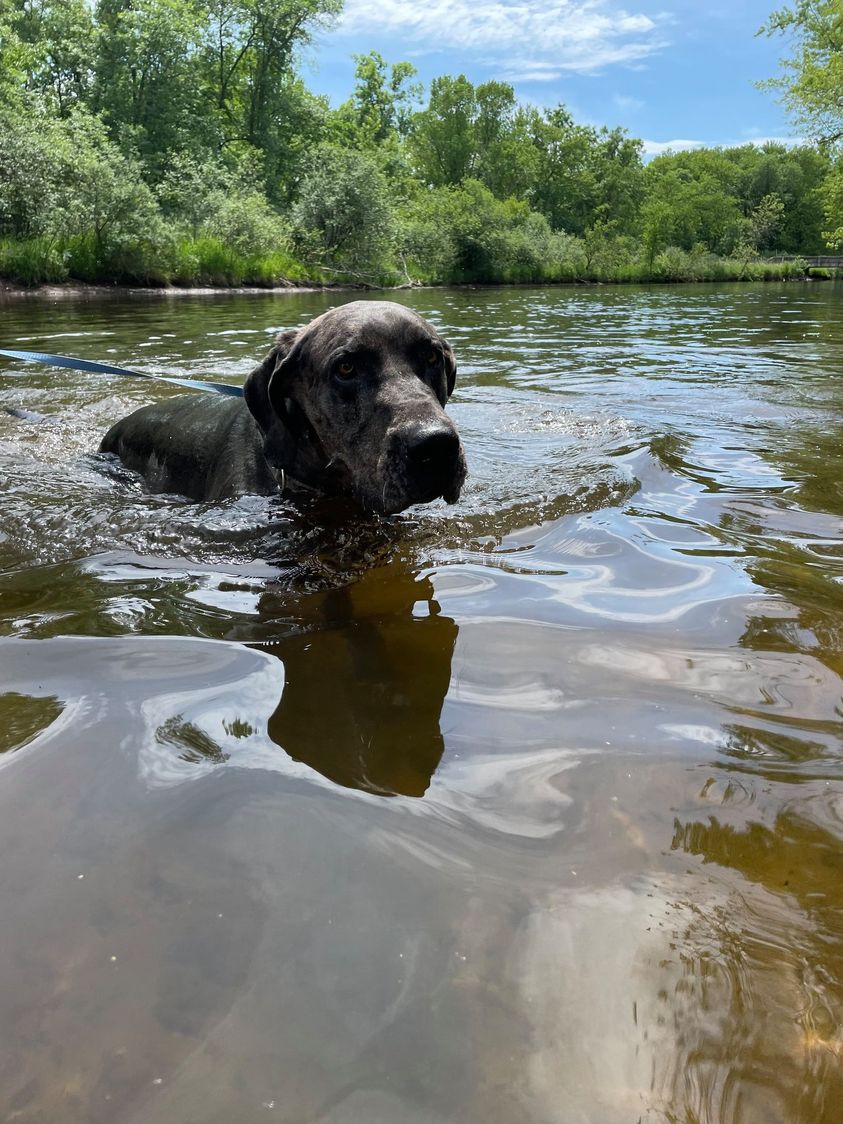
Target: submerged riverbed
[(524, 811)]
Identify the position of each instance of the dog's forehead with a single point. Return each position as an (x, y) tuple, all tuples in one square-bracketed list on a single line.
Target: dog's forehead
[(373, 324)]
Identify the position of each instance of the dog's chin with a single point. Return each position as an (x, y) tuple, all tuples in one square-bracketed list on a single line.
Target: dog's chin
[(392, 501), (452, 494)]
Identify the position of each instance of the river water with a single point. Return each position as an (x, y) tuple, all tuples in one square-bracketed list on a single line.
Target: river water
[(524, 811)]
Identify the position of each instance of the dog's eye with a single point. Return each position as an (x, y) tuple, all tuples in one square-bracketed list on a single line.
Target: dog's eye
[(432, 357), (345, 370)]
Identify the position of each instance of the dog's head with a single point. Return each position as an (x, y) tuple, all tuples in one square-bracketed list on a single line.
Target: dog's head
[(353, 404)]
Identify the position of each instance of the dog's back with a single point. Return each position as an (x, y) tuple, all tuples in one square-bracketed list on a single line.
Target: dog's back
[(201, 446)]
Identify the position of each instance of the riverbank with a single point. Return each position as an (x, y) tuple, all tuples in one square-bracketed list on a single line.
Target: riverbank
[(211, 265), (79, 290)]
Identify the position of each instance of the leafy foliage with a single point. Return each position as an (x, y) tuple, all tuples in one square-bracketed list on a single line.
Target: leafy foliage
[(175, 141), (344, 217), (812, 88), (812, 82), (833, 197)]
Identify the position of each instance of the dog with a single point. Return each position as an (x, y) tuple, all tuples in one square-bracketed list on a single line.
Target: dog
[(352, 404)]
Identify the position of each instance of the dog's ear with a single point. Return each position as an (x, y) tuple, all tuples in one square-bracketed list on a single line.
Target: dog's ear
[(256, 386), (290, 445), (280, 388), (450, 367)]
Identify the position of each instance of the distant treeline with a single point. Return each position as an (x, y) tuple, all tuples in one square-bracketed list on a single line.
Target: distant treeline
[(156, 141)]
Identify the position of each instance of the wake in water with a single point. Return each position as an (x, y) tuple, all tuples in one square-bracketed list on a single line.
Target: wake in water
[(529, 462)]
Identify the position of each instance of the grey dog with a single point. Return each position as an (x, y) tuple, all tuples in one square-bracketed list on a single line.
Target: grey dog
[(352, 404)]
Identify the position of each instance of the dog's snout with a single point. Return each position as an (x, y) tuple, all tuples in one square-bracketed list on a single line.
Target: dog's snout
[(432, 450), (431, 462)]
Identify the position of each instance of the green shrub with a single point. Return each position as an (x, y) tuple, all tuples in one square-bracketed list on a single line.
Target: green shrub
[(465, 234), (32, 261), (245, 221), (344, 218), (209, 261)]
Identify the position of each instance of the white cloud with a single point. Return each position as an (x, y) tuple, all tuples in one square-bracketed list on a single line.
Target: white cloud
[(790, 142), (535, 40), (656, 148), (627, 104)]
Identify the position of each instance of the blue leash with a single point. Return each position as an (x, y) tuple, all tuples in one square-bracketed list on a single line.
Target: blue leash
[(108, 369)]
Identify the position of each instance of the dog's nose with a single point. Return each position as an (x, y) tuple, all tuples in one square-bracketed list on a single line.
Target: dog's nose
[(432, 458), (432, 450)]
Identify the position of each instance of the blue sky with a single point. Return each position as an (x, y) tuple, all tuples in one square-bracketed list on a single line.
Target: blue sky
[(675, 73)]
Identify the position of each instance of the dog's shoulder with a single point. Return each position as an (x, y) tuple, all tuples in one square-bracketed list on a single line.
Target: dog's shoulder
[(201, 446)]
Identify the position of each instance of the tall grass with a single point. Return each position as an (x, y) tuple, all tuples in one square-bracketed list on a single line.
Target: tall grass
[(32, 261), (673, 266), (200, 262), (209, 261)]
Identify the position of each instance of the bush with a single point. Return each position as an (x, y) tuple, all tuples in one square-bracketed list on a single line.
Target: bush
[(208, 261), (673, 264), (78, 204), (33, 190), (207, 200), (344, 218), (246, 222), (464, 233), (72, 205)]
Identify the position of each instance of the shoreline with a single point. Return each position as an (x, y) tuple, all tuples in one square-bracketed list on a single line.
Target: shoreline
[(80, 289), (66, 289)]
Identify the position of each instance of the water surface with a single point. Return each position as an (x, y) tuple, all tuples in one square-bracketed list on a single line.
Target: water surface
[(524, 810)]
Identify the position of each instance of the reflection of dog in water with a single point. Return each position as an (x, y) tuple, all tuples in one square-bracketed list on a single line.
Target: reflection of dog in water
[(363, 694)]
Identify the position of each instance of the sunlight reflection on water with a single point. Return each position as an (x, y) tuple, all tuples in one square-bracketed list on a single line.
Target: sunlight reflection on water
[(525, 810)]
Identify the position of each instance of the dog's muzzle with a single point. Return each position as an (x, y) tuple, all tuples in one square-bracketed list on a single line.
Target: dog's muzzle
[(420, 464)]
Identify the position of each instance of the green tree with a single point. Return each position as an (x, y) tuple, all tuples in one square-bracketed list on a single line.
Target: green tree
[(188, 187), (688, 203), (474, 132), (724, 186), (572, 174), (511, 159), (248, 49), (833, 199), (442, 136), (61, 37), (812, 82), (463, 233), (206, 197), (14, 56), (382, 104), (215, 78), (32, 195), (758, 230), (344, 217), (106, 195), (244, 221), (585, 175), (812, 87), (796, 176), (66, 180), (146, 86)]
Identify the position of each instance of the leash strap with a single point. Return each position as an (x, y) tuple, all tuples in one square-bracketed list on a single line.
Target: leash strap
[(107, 369)]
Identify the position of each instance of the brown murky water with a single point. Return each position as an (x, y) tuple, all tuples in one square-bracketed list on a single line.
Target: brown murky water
[(528, 811)]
